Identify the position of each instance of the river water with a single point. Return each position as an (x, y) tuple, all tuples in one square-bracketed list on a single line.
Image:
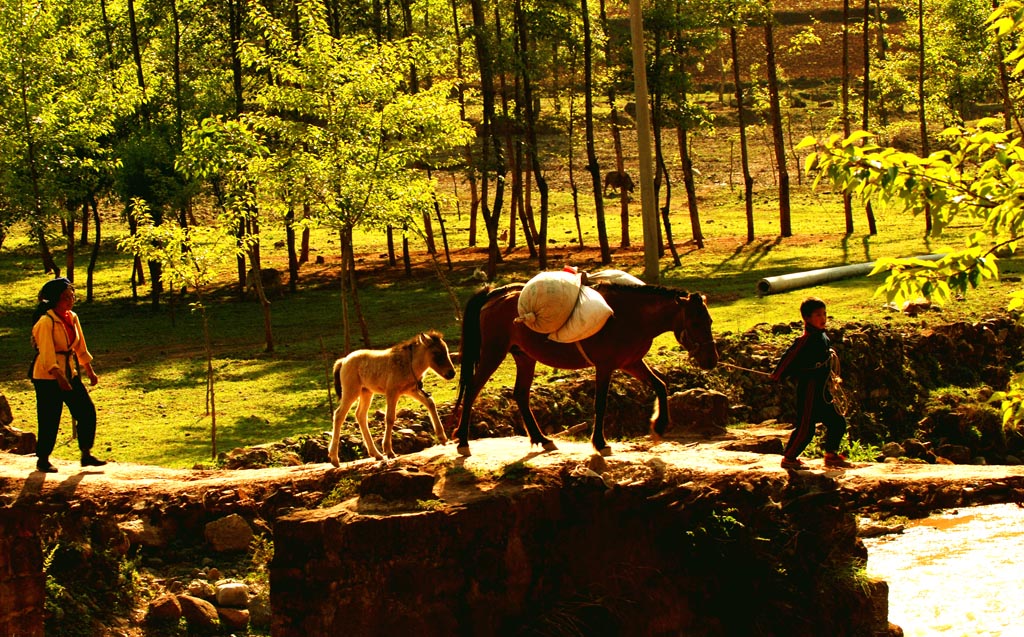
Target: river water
[(957, 574)]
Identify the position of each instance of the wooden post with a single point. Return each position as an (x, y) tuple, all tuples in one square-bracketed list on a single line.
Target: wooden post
[(649, 209)]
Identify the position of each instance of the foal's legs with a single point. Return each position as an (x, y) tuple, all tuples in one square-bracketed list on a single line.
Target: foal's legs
[(428, 402), (659, 419), (347, 398), (365, 396), (525, 367), (389, 420)]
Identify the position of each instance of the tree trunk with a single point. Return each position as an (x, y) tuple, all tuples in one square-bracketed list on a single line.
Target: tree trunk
[(349, 265), (69, 254), (94, 255), (778, 139), (392, 256), (293, 257), (1009, 112), (571, 134), (922, 117), (865, 122), (748, 180), (616, 127), (133, 29), (38, 223), (588, 119), (847, 197), (490, 141), (83, 239), (648, 204), (531, 135), (304, 252), (689, 183)]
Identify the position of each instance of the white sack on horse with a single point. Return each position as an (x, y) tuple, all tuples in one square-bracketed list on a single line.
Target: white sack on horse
[(548, 299), (588, 317), (613, 276)]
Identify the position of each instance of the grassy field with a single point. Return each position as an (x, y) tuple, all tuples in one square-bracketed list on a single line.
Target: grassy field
[(151, 396)]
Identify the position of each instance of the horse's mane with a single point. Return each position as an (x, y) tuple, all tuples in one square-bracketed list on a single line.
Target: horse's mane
[(658, 290), (409, 342)]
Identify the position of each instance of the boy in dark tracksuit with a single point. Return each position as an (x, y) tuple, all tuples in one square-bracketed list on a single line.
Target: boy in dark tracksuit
[(807, 361)]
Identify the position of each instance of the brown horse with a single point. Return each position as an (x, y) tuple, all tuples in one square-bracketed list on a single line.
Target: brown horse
[(490, 331)]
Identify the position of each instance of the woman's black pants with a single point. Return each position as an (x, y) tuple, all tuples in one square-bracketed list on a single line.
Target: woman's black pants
[(50, 401)]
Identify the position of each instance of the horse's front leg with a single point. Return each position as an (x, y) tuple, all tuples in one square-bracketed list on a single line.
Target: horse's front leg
[(428, 402), (485, 368), (603, 379), (659, 419), (525, 367)]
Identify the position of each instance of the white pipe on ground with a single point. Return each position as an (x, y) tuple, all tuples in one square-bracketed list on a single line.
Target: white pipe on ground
[(797, 280)]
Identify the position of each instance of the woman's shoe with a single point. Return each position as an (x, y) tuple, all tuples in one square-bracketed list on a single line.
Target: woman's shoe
[(89, 460), (45, 466)]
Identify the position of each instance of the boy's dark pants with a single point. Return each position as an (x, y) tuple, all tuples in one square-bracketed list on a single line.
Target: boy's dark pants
[(50, 401), (813, 405)]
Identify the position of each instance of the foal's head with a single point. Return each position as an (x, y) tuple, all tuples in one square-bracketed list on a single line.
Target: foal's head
[(434, 351), (692, 327)]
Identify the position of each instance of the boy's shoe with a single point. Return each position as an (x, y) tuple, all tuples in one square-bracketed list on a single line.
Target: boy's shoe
[(837, 460), (793, 463), (45, 467), (89, 460)]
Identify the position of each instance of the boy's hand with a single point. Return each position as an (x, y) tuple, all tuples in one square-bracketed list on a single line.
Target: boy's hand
[(62, 381)]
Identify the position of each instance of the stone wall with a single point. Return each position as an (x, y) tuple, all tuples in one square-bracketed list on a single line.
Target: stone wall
[(579, 557), (22, 583)]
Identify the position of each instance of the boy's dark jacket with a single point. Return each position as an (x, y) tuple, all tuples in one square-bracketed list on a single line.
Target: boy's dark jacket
[(807, 358)]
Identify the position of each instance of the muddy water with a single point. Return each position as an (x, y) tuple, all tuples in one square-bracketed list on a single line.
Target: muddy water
[(955, 574)]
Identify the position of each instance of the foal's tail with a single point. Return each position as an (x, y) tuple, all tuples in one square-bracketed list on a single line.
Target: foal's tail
[(337, 376)]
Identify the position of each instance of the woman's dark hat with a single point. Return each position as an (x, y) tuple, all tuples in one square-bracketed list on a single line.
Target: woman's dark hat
[(52, 290)]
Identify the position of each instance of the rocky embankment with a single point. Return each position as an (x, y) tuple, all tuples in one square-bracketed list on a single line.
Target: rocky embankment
[(660, 537)]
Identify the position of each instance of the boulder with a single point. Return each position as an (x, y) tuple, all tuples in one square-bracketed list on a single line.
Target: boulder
[(230, 533), (232, 594), (164, 610), (142, 532), (234, 618), (406, 483), (200, 615), (701, 410)]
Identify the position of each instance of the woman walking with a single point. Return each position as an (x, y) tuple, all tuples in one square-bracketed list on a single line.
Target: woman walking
[(61, 359)]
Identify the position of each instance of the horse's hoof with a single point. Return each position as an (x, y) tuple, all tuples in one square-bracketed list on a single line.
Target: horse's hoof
[(334, 461), (549, 446), (464, 450), (605, 451), (656, 437)]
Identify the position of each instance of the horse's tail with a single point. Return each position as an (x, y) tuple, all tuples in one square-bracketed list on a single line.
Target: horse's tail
[(337, 376), (469, 347)]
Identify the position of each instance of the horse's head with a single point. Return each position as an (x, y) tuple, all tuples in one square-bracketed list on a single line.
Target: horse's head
[(436, 353), (692, 327)]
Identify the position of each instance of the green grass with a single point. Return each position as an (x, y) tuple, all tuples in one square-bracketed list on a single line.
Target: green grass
[(151, 397)]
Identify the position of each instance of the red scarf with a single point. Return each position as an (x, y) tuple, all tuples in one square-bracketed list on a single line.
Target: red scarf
[(68, 323)]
